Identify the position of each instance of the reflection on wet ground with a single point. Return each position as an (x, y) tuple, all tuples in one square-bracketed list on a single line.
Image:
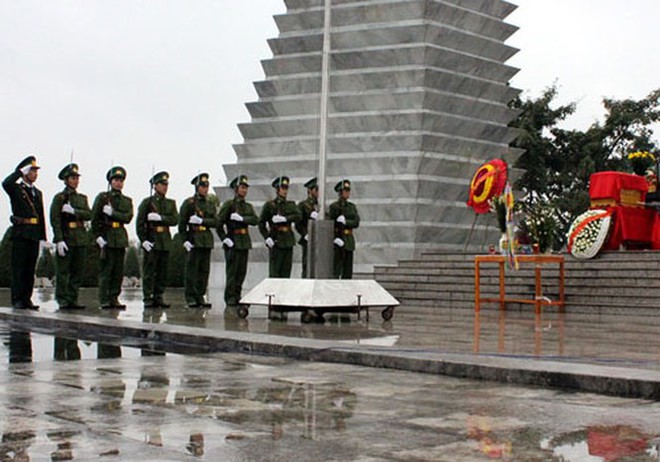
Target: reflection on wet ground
[(571, 336), (233, 407)]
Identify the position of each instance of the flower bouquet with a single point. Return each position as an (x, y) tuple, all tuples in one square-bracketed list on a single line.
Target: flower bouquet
[(588, 233), (641, 161)]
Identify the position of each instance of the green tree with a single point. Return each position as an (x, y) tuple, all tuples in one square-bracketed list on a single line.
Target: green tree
[(45, 265), (132, 263), (558, 162), (5, 259)]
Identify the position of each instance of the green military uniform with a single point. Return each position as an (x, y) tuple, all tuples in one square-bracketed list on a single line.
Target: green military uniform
[(198, 242), (233, 220), (155, 216), (308, 210), (344, 242), (279, 235), (28, 228), (68, 213), (109, 230)]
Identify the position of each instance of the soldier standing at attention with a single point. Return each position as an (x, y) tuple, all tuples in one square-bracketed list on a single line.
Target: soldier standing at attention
[(309, 211), (346, 218), (275, 222), (155, 215), (196, 219), (68, 213), (28, 228), (233, 220), (110, 213)]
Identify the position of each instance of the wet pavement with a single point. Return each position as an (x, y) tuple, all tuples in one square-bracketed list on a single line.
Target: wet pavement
[(243, 408), (124, 403)]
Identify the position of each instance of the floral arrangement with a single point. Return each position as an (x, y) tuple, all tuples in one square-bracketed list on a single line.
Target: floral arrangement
[(588, 233), (640, 161), (541, 226)]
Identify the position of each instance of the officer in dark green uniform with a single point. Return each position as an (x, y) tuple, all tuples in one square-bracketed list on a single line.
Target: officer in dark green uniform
[(233, 220), (277, 217), (196, 219), (110, 213), (309, 211), (346, 218), (155, 215), (28, 228), (68, 213)]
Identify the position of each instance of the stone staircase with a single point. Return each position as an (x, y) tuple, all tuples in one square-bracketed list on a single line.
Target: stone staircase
[(614, 280)]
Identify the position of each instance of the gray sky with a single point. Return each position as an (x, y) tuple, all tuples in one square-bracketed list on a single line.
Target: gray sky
[(162, 83)]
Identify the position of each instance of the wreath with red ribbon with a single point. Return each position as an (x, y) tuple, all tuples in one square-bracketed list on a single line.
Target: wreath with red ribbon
[(488, 182)]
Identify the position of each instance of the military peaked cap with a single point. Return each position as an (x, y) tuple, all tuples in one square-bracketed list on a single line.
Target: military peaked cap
[(239, 180), (311, 184), (343, 184), (29, 160), (116, 172), (201, 180), (281, 182), (160, 177), (69, 170)]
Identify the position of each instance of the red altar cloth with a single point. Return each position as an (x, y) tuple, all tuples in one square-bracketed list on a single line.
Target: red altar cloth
[(635, 227), (608, 185)]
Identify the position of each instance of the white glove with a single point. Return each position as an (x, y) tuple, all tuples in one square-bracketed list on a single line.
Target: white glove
[(153, 216), (228, 242), (62, 248), (101, 242), (278, 219), (236, 217), (270, 243), (25, 170), (314, 215), (341, 219), (66, 208), (338, 242), (188, 246), (148, 246), (306, 237), (195, 220), (107, 209)]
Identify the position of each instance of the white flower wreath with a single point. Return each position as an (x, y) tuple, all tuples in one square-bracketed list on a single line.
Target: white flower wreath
[(587, 233)]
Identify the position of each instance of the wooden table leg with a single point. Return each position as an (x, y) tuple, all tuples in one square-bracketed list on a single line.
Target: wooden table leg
[(477, 291), (561, 286), (538, 290)]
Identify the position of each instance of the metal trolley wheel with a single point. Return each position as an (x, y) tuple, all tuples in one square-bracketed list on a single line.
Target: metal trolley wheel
[(306, 316), (242, 311), (387, 313)]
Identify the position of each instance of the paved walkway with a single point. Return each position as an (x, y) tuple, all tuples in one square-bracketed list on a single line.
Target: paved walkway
[(604, 352)]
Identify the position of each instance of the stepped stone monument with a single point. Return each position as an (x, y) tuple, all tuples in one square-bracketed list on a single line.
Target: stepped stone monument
[(418, 93)]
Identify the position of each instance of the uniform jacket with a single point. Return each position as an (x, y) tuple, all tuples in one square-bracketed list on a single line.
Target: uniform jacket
[(235, 230), (157, 232), (281, 233), (198, 235), (67, 227), (306, 207), (345, 232), (25, 204), (112, 228)]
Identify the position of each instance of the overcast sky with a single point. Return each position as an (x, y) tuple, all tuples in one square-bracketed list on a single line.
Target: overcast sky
[(161, 84)]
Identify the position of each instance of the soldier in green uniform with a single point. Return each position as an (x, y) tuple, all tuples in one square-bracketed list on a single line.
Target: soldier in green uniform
[(68, 213), (112, 210), (28, 228), (346, 218), (196, 219), (156, 214), (233, 220), (309, 211), (277, 217)]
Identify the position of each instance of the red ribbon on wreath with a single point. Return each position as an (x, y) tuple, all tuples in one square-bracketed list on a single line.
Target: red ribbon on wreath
[(488, 181), (584, 224)]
